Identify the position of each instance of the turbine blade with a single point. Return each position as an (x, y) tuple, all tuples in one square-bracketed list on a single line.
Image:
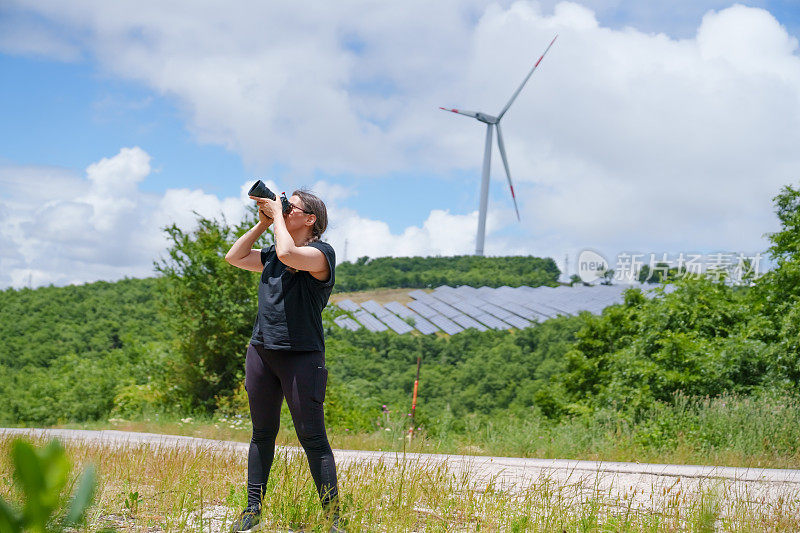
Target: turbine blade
[(502, 147), (514, 96), (472, 114)]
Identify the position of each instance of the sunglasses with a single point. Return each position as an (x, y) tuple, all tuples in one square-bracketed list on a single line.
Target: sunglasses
[(303, 210)]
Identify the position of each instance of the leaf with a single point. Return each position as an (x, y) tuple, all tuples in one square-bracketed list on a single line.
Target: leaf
[(83, 496), (9, 520), (56, 467), (28, 471)]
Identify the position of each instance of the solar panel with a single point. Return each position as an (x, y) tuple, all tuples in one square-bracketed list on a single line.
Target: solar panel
[(547, 312), (468, 322), (517, 322), (543, 303), (398, 325), (369, 321), (566, 305), (422, 325), (446, 325), (492, 322), (444, 309), (346, 322), (456, 308), (518, 309), (468, 309), (400, 309), (484, 292), (554, 310), (348, 305), (375, 308), (444, 289), (465, 291), (492, 309), (447, 296), (595, 308), (427, 299), (422, 308)]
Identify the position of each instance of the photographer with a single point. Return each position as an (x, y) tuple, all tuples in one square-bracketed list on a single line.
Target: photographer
[(286, 355)]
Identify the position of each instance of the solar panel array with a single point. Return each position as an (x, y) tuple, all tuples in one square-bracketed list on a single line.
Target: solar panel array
[(421, 324), (454, 309), (347, 323)]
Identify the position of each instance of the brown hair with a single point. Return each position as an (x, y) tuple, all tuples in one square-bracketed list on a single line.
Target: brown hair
[(311, 202)]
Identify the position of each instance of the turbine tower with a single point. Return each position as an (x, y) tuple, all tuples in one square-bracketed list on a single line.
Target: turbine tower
[(490, 122)]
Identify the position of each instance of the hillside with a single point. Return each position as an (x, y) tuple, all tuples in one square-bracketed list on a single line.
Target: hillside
[(67, 352), (688, 369)]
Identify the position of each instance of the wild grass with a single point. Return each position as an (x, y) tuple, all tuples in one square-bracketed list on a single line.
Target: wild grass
[(158, 488), (382, 296), (759, 431)]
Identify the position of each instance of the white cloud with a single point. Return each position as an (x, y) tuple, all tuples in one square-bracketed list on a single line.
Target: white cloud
[(440, 234), (20, 34), (624, 139), (59, 228)]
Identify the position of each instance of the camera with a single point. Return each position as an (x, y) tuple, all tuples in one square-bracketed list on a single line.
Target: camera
[(262, 191)]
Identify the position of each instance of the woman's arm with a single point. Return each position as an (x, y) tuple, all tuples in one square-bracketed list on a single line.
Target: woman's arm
[(299, 257), (242, 254), (305, 258)]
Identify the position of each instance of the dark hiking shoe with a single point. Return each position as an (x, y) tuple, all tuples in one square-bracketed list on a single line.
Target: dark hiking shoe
[(248, 520), (336, 527)]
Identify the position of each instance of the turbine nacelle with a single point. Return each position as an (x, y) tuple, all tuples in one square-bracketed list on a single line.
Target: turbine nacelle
[(487, 119), (483, 117)]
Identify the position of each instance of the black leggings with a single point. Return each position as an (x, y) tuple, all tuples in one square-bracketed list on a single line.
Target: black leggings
[(301, 378)]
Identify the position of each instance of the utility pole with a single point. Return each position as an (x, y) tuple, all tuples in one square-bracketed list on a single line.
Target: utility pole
[(414, 399)]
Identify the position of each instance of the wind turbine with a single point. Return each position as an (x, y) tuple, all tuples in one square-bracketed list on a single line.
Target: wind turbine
[(490, 122)]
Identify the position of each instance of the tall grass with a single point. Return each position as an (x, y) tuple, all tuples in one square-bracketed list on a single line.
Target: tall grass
[(758, 431), (155, 488)]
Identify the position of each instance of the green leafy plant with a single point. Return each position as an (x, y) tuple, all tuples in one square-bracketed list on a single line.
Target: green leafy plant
[(41, 475), (132, 501)]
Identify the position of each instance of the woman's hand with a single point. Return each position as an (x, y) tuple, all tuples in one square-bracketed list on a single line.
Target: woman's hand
[(265, 209)]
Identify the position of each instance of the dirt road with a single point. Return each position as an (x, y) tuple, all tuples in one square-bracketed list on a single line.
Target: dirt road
[(644, 484)]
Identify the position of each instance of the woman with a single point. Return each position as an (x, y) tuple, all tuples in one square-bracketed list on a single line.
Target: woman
[(286, 355)]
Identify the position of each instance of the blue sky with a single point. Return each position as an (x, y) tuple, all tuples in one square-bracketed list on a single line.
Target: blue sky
[(82, 83), (69, 115)]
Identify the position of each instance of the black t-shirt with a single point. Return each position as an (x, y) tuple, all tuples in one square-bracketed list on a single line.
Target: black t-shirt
[(290, 304)]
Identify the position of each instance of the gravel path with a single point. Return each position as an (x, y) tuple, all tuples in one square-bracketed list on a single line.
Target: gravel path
[(643, 484)]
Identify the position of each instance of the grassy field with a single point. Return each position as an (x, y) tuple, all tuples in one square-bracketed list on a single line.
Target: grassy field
[(726, 431), (382, 296), (153, 488)]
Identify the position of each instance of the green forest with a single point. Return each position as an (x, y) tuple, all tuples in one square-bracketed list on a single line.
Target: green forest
[(658, 368), (425, 272)]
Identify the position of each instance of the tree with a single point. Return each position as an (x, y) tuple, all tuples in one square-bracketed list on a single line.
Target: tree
[(210, 305), (776, 294), (660, 273), (778, 290), (786, 243)]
